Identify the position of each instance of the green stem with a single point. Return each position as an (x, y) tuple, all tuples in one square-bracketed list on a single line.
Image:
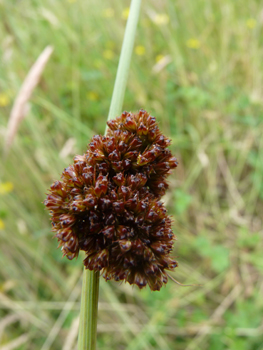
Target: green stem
[(125, 60), (88, 310), (90, 284)]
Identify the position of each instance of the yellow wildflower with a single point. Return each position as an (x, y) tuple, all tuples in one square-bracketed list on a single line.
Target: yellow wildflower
[(193, 43), (92, 96), (251, 23), (4, 100), (108, 12), (161, 19), (2, 224), (125, 13), (6, 187), (140, 50), (108, 54), (159, 58)]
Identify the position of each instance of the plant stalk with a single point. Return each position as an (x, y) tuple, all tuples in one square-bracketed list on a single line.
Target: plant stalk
[(90, 285), (125, 60), (89, 310)]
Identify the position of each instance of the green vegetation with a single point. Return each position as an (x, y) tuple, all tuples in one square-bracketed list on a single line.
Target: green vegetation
[(197, 67)]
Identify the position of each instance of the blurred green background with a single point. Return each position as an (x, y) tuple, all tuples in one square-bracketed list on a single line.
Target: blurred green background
[(197, 67)]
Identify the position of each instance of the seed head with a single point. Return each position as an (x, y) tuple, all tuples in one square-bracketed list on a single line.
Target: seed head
[(108, 203)]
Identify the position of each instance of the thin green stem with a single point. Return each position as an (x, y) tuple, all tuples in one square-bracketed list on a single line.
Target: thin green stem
[(125, 60), (90, 284), (88, 310)]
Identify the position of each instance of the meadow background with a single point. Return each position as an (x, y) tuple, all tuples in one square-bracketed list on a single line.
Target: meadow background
[(197, 67)]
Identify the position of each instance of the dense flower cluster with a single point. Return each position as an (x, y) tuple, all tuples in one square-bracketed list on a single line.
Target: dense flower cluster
[(108, 203)]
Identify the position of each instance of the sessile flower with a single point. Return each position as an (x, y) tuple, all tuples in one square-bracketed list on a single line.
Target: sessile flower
[(108, 203)]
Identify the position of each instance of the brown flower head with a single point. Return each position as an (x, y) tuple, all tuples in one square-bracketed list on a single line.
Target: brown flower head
[(107, 204)]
